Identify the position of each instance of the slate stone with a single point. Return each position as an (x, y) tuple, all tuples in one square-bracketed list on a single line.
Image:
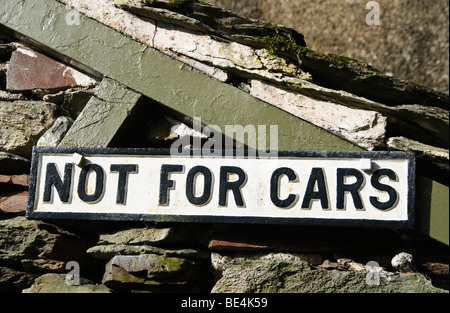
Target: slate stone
[(404, 263), (210, 19), (107, 252), (432, 162), (56, 283), (12, 280), (8, 96), (147, 236), (22, 123), (37, 246), (271, 276), (53, 136), (148, 271), (29, 70)]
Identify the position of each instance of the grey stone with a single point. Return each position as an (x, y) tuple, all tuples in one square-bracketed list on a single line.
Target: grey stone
[(269, 276), (362, 127), (146, 236), (53, 136), (148, 271), (403, 262), (56, 283), (206, 18), (107, 252), (8, 96), (431, 161), (71, 101), (22, 123), (12, 280), (427, 123), (37, 246)]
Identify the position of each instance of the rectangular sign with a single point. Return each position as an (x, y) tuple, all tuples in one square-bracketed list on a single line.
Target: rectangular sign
[(330, 188)]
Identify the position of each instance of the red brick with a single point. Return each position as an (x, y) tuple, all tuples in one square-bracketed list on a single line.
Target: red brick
[(13, 202)]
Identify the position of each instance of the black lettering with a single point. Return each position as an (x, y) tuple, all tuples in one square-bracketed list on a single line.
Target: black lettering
[(190, 183), (375, 181), (123, 170), (234, 186), (83, 181), (275, 187), (63, 187), (353, 189), (321, 194), (166, 183)]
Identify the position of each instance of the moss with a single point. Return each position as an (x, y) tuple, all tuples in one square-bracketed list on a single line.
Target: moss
[(279, 45), (343, 59)]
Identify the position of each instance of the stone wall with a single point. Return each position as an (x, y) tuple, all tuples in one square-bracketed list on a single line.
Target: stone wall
[(40, 105)]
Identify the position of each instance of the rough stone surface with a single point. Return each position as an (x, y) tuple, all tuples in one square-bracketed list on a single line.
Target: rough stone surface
[(56, 283), (432, 161), (364, 128), (12, 280), (146, 236), (146, 271), (37, 246), (264, 276), (7, 96), (22, 123), (32, 70), (403, 262), (219, 260), (107, 252), (53, 136), (13, 202), (71, 101)]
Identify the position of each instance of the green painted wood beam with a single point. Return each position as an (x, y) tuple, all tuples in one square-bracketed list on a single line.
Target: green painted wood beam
[(156, 75), (104, 116), (432, 206)]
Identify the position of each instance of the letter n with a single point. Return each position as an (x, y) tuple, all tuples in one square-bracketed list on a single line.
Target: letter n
[(63, 187)]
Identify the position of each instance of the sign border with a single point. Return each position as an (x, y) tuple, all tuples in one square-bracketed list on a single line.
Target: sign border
[(410, 223)]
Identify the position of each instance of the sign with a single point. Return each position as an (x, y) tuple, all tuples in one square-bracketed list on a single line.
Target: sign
[(331, 188)]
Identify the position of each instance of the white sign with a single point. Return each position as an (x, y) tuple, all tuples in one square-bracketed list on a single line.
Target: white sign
[(296, 187)]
